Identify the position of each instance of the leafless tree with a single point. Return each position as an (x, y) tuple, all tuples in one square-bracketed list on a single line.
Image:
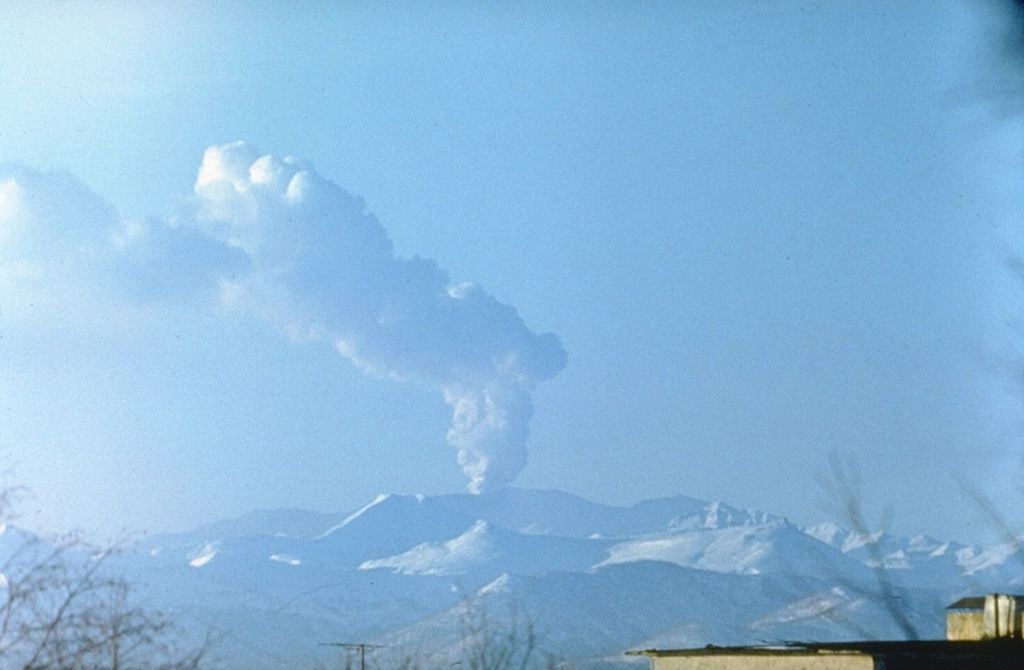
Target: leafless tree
[(493, 640), (64, 607), (842, 486)]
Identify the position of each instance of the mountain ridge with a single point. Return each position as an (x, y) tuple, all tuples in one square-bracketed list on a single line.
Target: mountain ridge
[(594, 579)]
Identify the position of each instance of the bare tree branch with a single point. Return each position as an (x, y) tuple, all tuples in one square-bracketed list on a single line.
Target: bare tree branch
[(489, 643), (843, 488), (64, 607)]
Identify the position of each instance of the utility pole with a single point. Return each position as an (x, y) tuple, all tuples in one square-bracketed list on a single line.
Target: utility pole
[(361, 647)]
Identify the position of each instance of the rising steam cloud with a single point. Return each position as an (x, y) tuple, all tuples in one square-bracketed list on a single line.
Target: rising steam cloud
[(324, 269)]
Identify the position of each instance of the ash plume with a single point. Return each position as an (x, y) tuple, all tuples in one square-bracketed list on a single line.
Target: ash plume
[(324, 269)]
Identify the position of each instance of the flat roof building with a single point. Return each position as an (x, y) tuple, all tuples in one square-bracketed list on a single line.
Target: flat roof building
[(982, 633), (986, 618), (888, 655)]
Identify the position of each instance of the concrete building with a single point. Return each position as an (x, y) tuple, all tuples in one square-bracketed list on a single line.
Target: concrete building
[(982, 633), (993, 616), (890, 655)]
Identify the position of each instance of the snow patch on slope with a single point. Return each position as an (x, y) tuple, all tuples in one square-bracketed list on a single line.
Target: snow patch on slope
[(355, 515), (204, 554), (974, 561), (472, 548), (826, 604), (769, 548)]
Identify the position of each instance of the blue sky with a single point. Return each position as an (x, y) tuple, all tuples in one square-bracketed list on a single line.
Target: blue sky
[(761, 232)]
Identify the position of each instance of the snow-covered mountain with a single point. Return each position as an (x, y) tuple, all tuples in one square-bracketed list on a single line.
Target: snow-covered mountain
[(592, 580)]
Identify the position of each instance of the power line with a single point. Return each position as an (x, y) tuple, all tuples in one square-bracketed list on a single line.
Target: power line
[(361, 647)]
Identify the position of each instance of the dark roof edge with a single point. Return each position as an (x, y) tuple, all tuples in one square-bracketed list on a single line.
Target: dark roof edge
[(976, 602), (862, 646)]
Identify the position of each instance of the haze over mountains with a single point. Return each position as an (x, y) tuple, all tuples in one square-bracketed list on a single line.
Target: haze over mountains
[(594, 580)]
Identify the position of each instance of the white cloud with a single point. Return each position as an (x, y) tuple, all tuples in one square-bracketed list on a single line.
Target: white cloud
[(323, 268), (271, 236), (69, 262)]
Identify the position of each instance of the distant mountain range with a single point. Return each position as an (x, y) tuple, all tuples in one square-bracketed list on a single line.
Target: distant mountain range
[(592, 580)]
